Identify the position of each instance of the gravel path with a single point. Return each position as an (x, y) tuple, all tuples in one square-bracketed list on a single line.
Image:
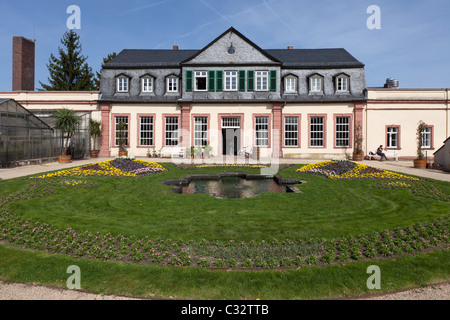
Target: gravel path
[(18, 291)]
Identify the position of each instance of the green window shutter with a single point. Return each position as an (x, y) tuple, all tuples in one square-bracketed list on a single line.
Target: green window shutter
[(250, 80), (211, 76), (188, 80), (273, 80), (241, 80), (219, 76)]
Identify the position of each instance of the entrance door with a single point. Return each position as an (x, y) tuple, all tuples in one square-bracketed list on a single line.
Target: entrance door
[(231, 141)]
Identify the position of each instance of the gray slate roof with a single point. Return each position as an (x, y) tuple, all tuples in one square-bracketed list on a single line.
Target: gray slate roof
[(290, 58)]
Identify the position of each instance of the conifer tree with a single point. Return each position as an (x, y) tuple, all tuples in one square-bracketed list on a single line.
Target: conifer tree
[(98, 76), (70, 71)]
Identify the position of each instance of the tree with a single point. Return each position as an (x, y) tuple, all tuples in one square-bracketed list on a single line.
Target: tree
[(98, 75), (67, 122), (69, 72)]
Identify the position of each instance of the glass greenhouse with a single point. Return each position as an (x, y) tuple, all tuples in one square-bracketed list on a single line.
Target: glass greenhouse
[(23, 136)]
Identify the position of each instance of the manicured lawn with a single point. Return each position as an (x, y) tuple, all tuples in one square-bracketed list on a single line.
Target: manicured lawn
[(322, 239), (145, 207)]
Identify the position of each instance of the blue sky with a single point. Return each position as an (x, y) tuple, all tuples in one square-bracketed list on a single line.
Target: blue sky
[(412, 45)]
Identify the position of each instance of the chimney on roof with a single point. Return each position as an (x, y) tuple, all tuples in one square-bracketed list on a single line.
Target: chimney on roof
[(290, 47), (175, 47), (23, 64)]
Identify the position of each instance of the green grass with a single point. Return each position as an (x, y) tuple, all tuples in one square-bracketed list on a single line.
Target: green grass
[(144, 207), (195, 283)]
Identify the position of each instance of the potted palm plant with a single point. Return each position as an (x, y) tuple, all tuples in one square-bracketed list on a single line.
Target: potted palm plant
[(67, 122), (95, 131), (420, 161), (358, 154), (122, 138)]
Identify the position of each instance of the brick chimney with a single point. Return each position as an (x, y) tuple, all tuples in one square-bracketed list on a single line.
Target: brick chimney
[(175, 47), (23, 64), (290, 47)]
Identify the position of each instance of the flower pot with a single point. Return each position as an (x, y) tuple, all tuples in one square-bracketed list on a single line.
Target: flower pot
[(358, 157), (64, 159), (93, 153), (420, 163), (123, 153)]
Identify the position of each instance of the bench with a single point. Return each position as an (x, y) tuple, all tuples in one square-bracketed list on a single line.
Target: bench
[(173, 151), (389, 154)]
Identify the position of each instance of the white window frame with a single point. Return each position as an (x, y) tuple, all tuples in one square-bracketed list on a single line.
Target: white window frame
[(316, 84), (230, 81), (317, 132), (147, 84), (290, 85), (262, 131), (172, 84), (342, 132), (342, 84), (122, 84), (426, 138), (392, 135), (289, 133), (261, 80), (200, 74), (200, 131), (146, 130), (117, 120), (171, 135)]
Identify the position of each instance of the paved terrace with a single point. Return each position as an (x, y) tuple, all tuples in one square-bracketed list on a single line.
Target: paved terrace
[(399, 166)]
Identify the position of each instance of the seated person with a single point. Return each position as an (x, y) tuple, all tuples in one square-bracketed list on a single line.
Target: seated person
[(381, 153)]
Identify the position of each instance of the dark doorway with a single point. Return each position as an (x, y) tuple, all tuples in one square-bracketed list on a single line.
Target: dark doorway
[(231, 141)]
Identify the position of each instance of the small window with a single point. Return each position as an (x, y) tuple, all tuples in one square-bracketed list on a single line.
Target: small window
[(122, 84), (290, 84), (342, 84), (316, 84), (172, 84), (200, 80), (147, 84), (426, 138), (261, 80), (231, 78), (392, 137)]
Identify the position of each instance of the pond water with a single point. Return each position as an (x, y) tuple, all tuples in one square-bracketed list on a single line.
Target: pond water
[(233, 187)]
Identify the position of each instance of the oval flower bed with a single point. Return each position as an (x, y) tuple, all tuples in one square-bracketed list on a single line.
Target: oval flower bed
[(119, 167), (344, 169)]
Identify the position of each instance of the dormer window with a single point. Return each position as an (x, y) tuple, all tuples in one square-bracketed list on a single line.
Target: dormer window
[(200, 80), (172, 84), (146, 84), (122, 84), (342, 83), (290, 84), (316, 83)]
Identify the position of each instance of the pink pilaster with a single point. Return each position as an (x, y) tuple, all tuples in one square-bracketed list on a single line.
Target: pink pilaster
[(276, 132), (185, 125), (358, 116), (105, 109)]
